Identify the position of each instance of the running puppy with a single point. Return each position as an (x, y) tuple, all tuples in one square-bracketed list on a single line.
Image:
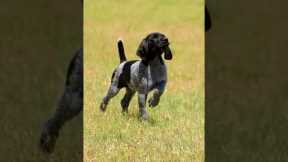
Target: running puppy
[(141, 76)]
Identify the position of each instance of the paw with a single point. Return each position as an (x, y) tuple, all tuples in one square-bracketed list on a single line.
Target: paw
[(125, 110), (47, 140), (153, 102), (144, 116), (103, 107)]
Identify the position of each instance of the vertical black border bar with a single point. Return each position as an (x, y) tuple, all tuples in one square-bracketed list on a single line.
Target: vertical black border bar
[(37, 43), (246, 81)]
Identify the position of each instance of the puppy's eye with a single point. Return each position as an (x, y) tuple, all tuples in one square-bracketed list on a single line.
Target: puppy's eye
[(151, 41)]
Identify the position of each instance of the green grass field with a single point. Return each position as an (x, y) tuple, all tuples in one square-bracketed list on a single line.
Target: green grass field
[(175, 130)]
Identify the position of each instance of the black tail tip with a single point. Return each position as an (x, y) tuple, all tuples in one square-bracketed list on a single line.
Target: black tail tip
[(121, 50)]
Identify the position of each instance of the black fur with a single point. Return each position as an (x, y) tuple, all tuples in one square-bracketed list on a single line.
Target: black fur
[(121, 51), (152, 46), (75, 63), (124, 78), (208, 22)]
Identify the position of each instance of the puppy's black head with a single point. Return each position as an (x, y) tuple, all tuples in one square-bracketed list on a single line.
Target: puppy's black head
[(154, 45)]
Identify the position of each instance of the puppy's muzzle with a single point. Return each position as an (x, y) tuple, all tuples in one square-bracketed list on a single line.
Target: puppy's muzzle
[(167, 53)]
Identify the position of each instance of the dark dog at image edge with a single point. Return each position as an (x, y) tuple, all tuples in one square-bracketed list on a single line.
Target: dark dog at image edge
[(69, 105), (142, 76)]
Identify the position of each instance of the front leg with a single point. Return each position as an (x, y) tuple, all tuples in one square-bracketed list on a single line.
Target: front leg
[(142, 97), (143, 91), (159, 90)]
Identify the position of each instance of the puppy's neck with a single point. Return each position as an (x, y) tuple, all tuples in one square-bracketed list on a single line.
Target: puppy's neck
[(158, 60)]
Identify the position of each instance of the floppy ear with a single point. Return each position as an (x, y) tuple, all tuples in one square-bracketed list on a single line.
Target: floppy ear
[(142, 50)]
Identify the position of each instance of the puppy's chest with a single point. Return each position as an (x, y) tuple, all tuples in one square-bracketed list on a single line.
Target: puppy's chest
[(156, 74), (147, 76)]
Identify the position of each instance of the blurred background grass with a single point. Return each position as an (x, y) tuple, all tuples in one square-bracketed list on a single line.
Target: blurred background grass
[(175, 131), (38, 39)]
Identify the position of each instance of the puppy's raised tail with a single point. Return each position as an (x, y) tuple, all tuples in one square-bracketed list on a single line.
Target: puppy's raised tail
[(121, 50)]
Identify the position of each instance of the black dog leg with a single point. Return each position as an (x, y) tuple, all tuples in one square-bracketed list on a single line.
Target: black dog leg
[(159, 90), (126, 99), (113, 90), (142, 97)]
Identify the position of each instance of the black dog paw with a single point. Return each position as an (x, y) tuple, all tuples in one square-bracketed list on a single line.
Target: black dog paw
[(103, 107), (153, 102), (47, 140), (144, 117)]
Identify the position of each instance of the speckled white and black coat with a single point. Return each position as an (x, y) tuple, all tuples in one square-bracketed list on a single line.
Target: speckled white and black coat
[(141, 76)]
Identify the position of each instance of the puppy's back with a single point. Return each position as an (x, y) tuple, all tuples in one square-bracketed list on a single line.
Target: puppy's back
[(123, 73)]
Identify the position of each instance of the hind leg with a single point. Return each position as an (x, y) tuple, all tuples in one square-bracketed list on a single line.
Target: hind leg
[(126, 99), (142, 97), (113, 90)]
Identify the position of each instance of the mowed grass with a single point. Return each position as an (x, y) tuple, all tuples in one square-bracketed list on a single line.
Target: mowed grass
[(175, 130)]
